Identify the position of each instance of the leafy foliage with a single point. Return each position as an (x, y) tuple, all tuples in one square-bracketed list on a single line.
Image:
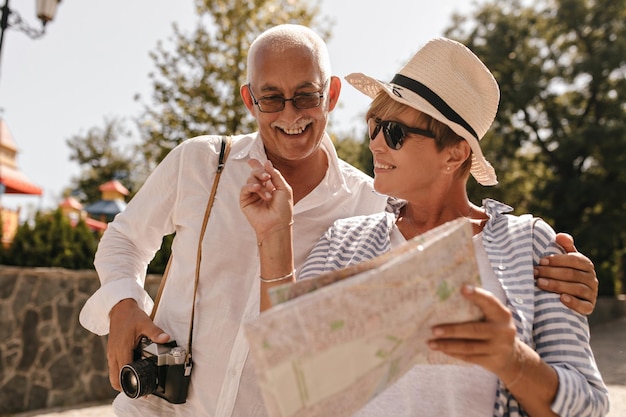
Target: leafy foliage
[(355, 152), (159, 262), (557, 142), (52, 241), (102, 159)]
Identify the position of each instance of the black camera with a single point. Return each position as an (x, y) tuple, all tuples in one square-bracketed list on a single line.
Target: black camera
[(159, 369)]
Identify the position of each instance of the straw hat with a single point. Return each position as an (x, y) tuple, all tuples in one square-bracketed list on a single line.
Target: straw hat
[(445, 80)]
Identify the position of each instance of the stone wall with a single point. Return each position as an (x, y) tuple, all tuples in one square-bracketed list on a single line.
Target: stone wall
[(47, 358)]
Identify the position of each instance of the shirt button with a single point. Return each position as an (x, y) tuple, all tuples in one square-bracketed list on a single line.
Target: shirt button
[(518, 301)]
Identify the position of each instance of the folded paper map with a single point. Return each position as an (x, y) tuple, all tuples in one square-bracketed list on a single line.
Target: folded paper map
[(334, 342)]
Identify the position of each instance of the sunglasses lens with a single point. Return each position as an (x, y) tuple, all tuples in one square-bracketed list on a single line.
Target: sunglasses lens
[(373, 128), (394, 134)]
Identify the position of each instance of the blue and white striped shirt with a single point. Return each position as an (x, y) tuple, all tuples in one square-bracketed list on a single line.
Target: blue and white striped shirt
[(514, 244)]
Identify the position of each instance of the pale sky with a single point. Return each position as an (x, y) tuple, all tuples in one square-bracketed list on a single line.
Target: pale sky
[(94, 59)]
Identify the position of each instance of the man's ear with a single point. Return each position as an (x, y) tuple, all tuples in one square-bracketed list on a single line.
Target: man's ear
[(244, 91), (333, 92)]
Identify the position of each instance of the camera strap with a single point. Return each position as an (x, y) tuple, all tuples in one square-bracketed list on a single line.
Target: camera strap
[(224, 151)]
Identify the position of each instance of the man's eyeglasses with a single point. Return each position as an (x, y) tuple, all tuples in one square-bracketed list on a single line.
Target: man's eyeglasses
[(394, 132), (276, 103)]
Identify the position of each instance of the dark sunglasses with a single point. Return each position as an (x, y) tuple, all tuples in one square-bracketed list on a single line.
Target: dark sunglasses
[(394, 132)]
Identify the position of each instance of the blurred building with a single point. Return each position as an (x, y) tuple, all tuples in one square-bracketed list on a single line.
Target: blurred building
[(12, 181), (111, 203), (73, 210)]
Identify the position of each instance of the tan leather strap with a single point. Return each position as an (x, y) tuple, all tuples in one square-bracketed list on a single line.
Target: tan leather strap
[(157, 300), (220, 167), (224, 151)]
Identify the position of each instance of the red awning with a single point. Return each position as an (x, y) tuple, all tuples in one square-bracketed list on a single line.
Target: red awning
[(17, 183)]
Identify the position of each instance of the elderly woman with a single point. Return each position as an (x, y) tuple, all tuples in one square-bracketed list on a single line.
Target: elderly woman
[(532, 352)]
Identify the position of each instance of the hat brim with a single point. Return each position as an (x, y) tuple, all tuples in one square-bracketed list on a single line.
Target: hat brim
[(481, 169)]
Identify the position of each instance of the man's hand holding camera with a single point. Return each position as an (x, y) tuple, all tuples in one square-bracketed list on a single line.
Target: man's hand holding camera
[(128, 323), (160, 369)]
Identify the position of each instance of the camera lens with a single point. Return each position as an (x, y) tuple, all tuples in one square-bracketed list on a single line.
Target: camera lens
[(139, 378)]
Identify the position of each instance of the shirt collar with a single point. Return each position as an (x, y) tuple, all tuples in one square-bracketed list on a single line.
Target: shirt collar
[(495, 208), (334, 178), (251, 148)]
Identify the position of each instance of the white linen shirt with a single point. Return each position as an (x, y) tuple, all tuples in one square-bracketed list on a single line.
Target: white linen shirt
[(173, 199)]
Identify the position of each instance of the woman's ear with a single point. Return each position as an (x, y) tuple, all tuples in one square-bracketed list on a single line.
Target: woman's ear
[(458, 154)]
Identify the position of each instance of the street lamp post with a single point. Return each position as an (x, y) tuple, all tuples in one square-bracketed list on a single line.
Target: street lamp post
[(11, 19)]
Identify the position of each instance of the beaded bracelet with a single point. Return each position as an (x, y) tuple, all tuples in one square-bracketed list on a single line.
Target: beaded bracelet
[(289, 275)]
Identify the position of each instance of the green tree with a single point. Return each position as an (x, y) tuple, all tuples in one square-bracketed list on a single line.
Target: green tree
[(22, 248), (159, 262), (557, 143), (83, 245), (355, 152), (52, 241), (196, 85), (102, 158)]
